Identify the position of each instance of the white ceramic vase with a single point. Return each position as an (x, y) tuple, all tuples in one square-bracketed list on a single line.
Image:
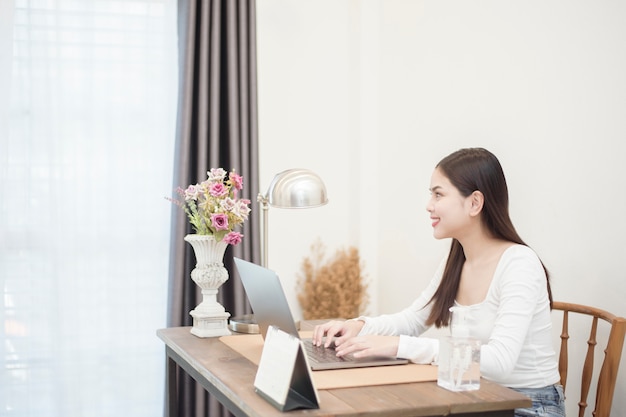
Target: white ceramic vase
[(209, 317)]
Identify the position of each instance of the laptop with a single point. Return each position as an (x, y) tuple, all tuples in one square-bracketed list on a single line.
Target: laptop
[(269, 303)]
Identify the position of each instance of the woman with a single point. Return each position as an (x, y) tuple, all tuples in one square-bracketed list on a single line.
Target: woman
[(489, 269)]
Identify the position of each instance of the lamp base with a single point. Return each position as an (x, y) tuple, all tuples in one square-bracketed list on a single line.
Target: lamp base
[(244, 324)]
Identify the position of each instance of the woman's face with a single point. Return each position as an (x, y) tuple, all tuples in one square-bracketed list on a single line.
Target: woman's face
[(449, 210)]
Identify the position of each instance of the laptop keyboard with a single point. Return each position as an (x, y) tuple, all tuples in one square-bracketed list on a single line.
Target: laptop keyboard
[(321, 354)]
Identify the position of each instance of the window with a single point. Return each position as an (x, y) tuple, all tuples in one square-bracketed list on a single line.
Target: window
[(84, 229)]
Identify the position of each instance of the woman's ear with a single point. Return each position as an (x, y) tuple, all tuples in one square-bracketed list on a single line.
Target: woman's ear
[(477, 200)]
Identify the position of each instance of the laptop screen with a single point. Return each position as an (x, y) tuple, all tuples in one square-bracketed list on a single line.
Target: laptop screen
[(267, 298)]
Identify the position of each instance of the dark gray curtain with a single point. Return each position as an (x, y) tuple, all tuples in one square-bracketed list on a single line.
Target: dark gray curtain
[(216, 127)]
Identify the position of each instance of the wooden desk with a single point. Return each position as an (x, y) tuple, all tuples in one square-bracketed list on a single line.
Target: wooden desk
[(229, 377)]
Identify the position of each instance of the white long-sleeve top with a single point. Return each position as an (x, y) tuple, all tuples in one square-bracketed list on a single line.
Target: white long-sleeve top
[(513, 324)]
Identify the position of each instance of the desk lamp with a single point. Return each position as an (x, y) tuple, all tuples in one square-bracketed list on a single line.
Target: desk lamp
[(296, 189)]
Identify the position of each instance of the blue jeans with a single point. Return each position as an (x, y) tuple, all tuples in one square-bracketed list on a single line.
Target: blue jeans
[(547, 402)]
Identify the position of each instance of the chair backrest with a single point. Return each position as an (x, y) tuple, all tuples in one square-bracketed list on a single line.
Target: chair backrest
[(605, 385)]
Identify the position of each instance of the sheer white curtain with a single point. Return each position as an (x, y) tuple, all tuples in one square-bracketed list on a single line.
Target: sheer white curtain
[(86, 143)]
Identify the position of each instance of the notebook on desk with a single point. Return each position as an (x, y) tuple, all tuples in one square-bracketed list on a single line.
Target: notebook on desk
[(270, 307)]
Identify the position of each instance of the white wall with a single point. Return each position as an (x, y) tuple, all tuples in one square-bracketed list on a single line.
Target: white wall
[(372, 94)]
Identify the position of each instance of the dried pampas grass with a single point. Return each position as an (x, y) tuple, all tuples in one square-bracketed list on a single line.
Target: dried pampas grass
[(334, 289)]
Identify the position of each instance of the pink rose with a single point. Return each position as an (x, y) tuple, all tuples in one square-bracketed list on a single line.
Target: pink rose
[(219, 221), (233, 238), (228, 204), (191, 193), (218, 189), (216, 174), (241, 209), (237, 180)]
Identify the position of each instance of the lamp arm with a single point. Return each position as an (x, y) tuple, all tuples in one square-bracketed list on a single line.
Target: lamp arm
[(264, 203)]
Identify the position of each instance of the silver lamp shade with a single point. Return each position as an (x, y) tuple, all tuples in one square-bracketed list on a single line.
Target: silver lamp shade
[(296, 188)]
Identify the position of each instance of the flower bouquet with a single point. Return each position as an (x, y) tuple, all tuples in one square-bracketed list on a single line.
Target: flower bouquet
[(212, 206)]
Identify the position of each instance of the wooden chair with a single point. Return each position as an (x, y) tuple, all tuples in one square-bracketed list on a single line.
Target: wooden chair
[(610, 364)]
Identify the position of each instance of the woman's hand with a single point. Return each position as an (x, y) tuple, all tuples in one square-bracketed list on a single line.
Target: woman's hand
[(345, 336), (368, 345), (336, 331)]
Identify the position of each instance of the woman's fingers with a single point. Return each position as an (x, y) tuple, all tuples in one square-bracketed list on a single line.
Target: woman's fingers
[(336, 331), (329, 330)]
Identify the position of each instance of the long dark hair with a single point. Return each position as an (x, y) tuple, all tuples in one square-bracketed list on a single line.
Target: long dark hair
[(469, 170)]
